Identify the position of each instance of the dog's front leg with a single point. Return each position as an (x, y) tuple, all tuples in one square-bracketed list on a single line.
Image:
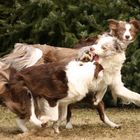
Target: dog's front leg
[(118, 89), (50, 113), (99, 96)]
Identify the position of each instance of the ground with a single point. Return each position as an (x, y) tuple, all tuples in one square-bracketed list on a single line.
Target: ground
[(87, 126)]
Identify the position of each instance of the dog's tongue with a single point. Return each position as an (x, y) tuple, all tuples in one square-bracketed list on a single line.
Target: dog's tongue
[(95, 58)]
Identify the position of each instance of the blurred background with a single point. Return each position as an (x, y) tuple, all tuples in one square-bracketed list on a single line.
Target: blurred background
[(64, 22)]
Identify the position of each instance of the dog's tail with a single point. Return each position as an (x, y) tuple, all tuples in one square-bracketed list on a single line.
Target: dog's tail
[(22, 56), (127, 96)]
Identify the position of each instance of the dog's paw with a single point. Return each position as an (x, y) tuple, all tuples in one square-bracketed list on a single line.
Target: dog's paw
[(69, 125), (44, 119), (117, 126), (56, 130)]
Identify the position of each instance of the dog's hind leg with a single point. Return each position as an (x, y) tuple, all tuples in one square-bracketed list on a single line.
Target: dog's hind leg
[(21, 125), (103, 116), (68, 123), (99, 96), (62, 116), (33, 117), (118, 89)]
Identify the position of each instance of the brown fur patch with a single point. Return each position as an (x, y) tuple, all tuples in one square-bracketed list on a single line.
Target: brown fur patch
[(98, 69), (47, 80)]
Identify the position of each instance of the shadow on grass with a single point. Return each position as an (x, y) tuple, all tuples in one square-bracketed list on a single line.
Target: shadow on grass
[(48, 131)]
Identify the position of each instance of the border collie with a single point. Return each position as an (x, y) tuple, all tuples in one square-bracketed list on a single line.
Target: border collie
[(120, 29), (60, 84)]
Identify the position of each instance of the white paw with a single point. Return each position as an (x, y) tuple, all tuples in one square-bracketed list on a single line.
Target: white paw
[(44, 119), (39, 124), (117, 126), (36, 122), (96, 102), (69, 125), (56, 130)]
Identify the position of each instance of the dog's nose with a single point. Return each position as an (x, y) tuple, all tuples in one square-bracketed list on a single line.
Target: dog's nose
[(127, 36), (91, 49)]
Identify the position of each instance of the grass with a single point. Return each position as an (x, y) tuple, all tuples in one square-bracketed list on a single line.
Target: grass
[(87, 126)]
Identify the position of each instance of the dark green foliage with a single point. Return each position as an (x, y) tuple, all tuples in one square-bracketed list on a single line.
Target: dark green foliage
[(59, 22), (64, 22)]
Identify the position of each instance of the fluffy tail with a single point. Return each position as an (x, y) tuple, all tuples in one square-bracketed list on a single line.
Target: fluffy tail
[(22, 56)]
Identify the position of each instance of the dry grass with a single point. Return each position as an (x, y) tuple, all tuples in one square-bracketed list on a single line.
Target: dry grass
[(87, 126)]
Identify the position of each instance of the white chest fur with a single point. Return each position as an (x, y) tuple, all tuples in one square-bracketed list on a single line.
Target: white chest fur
[(80, 80), (112, 66)]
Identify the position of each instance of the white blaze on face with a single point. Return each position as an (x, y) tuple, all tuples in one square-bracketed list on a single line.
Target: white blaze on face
[(127, 34)]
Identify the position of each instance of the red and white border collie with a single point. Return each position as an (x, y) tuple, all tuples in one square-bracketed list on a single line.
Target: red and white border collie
[(126, 32), (58, 84)]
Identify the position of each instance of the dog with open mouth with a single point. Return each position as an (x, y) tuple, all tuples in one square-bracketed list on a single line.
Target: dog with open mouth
[(59, 84), (55, 54), (126, 33)]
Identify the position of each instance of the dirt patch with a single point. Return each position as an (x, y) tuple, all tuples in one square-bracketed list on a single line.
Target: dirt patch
[(87, 126)]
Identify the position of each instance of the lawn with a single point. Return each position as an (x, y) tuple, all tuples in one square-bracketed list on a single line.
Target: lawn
[(87, 126)]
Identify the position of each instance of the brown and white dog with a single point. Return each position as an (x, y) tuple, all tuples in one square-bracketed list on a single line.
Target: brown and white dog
[(58, 84), (126, 32), (51, 54)]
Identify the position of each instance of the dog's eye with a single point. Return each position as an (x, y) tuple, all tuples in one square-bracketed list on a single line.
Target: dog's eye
[(104, 47)]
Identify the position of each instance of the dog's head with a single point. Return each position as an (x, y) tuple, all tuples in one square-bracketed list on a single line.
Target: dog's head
[(108, 46), (16, 97), (124, 31), (18, 101)]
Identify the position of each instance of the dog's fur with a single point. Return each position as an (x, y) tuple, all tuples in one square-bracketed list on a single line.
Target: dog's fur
[(21, 95), (71, 82), (55, 54), (126, 32)]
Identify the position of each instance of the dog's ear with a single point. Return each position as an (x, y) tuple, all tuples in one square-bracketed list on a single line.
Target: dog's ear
[(113, 24), (136, 23)]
